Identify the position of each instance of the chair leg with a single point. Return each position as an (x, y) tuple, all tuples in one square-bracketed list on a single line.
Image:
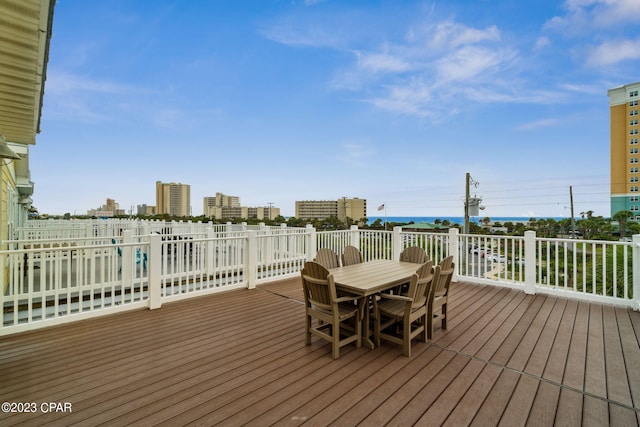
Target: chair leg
[(307, 331), (423, 334), (444, 316), (406, 338), (429, 324), (358, 321), (376, 328), (335, 343)]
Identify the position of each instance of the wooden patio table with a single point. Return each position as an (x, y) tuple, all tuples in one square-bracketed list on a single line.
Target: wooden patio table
[(369, 278)]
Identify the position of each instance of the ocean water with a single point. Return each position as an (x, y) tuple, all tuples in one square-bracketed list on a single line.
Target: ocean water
[(452, 219)]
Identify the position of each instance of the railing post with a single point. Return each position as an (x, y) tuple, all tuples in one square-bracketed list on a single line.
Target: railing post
[(153, 270), (127, 254), (268, 244), (454, 250), (530, 262), (210, 251), (396, 243), (312, 243), (636, 271), (354, 236), (250, 268)]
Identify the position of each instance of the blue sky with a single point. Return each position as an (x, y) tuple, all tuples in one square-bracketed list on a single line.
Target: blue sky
[(283, 100)]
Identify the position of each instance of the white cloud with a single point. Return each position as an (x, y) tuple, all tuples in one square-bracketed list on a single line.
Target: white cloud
[(356, 153), (408, 98), (382, 62), (542, 42), (310, 35), (64, 83), (471, 61), (539, 124), (614, 51), (452, 34), (583, 15)]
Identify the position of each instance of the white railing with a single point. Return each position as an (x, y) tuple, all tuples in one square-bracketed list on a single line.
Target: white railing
[(50, 281), (57, 281), (65, 229)]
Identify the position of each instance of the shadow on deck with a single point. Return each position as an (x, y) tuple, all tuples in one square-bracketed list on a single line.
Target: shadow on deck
[(238, 358)]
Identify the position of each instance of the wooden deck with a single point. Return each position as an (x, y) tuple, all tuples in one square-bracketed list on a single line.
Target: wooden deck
[(238, 358)]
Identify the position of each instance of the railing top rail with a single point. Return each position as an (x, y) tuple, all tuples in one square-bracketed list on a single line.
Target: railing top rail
[(600, 242)]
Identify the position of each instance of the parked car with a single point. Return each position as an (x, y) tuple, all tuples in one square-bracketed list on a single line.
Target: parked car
[(477, 251), (494, 257)]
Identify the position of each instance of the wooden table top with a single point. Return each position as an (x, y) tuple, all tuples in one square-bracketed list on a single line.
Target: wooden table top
[(372, 277)]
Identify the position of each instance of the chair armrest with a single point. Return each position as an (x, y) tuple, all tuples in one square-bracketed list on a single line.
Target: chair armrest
[(396, 297), (347, 299)]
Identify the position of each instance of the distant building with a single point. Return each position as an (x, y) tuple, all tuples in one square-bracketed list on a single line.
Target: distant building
[(224, 206), (219, 201), (625, 156), (108, 210), (145, 210), (173, 199), (353, 208)]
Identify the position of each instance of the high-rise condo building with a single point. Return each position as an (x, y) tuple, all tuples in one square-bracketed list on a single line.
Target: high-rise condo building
[(623, 110), (224, 206), (343, 208), (173, 199)]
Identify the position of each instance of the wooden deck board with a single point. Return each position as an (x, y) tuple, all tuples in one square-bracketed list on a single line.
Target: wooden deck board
[(543, 410), (575, 366), (631, 353), (617, 390), (517, 411), (531, 336), (569, 410), (559, 352), (238, 358), (595, 380), (469, 405), (541, 352)]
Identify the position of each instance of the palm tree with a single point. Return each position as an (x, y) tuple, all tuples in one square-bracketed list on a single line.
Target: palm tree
[(622, 217)]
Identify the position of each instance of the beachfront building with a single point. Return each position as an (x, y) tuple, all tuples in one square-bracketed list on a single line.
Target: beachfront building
[(224, 206), (146, 210), (625, 156), (108, 210), (211, 206), (173, 199), (343, 208), (25, 30)]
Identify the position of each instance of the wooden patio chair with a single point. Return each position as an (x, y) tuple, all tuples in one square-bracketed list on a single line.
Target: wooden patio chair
[(414, 254), (327, 258), (408, 310), (322, 303), (351, 255), (437, 305)]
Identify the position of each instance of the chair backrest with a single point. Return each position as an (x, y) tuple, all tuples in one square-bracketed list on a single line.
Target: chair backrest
[(441, 287), (327, 258), (351, 255), (414, 254), (319, 288), (421, 282)]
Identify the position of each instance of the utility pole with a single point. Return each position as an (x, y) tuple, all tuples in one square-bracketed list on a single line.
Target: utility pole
[(573, 220), (465, 229), (270, 204)]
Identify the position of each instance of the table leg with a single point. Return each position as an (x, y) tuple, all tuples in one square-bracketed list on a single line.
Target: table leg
[(366, 332)]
